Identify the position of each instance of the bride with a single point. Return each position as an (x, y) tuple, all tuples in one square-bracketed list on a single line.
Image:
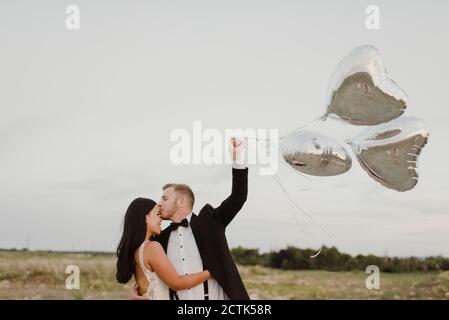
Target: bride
[(145, 259)]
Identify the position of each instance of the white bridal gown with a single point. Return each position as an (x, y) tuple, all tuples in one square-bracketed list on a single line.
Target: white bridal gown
[(157, 289)]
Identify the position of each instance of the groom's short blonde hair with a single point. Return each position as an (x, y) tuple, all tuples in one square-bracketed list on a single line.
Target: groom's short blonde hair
[(183, 189)]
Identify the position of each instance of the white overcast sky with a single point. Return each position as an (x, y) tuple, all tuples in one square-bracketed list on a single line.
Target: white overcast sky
[(86, 117)]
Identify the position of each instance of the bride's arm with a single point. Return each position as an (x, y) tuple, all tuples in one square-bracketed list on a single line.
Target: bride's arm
[(158, 260)]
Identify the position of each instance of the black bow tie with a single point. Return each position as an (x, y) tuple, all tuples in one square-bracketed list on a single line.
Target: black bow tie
[(184, 223)]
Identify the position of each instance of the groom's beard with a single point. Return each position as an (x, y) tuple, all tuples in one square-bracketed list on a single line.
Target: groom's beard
[(165, 218), (166, 215)]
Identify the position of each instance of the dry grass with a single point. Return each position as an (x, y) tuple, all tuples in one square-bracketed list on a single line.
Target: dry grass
[(34, 275), (31, 275)]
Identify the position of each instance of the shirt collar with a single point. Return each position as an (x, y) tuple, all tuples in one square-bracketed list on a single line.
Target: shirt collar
[(189, 217)]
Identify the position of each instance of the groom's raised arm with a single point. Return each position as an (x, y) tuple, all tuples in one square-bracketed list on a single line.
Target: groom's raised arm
[(232, 205)]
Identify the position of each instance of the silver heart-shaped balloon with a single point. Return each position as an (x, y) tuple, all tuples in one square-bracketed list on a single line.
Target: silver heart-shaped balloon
[(315, 154), (361, 92), (389, 152)]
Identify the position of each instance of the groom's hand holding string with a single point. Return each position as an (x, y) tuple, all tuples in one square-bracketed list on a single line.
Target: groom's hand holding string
[(236, 150)]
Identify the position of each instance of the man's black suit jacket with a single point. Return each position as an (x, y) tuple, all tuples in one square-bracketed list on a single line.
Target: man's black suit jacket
[(209, 228)]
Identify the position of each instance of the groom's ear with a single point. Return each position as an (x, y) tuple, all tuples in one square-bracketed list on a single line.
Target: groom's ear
[(181, 200)]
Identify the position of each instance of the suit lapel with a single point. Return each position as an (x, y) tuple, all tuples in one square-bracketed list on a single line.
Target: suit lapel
[(165, 236), (194, 226), (197, 235)]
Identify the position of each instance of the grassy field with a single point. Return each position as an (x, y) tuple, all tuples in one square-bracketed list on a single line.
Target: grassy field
[(41, 275)]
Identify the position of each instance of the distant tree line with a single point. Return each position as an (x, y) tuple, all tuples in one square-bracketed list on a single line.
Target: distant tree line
[(293, 258), (331, 259)]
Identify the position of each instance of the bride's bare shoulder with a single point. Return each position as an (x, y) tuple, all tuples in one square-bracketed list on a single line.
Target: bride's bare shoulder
[(153, 247), (150, 248)]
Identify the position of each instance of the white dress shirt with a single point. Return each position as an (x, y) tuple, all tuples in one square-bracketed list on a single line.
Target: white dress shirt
[(182, 251)]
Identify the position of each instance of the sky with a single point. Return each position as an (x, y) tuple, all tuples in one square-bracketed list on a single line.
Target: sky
[(86, 116)]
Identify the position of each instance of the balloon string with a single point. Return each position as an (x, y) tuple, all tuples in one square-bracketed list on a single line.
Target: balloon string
[(277, 180), (295, 205), (289, 197), (323, 117), (301, 209)]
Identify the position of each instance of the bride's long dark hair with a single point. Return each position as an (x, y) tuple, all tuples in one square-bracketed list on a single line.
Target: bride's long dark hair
[(134, 231)]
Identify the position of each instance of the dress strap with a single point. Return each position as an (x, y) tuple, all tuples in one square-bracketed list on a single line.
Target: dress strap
[(142, 264)]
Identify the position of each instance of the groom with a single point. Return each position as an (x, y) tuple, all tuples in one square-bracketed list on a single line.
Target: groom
[(194, 243)]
